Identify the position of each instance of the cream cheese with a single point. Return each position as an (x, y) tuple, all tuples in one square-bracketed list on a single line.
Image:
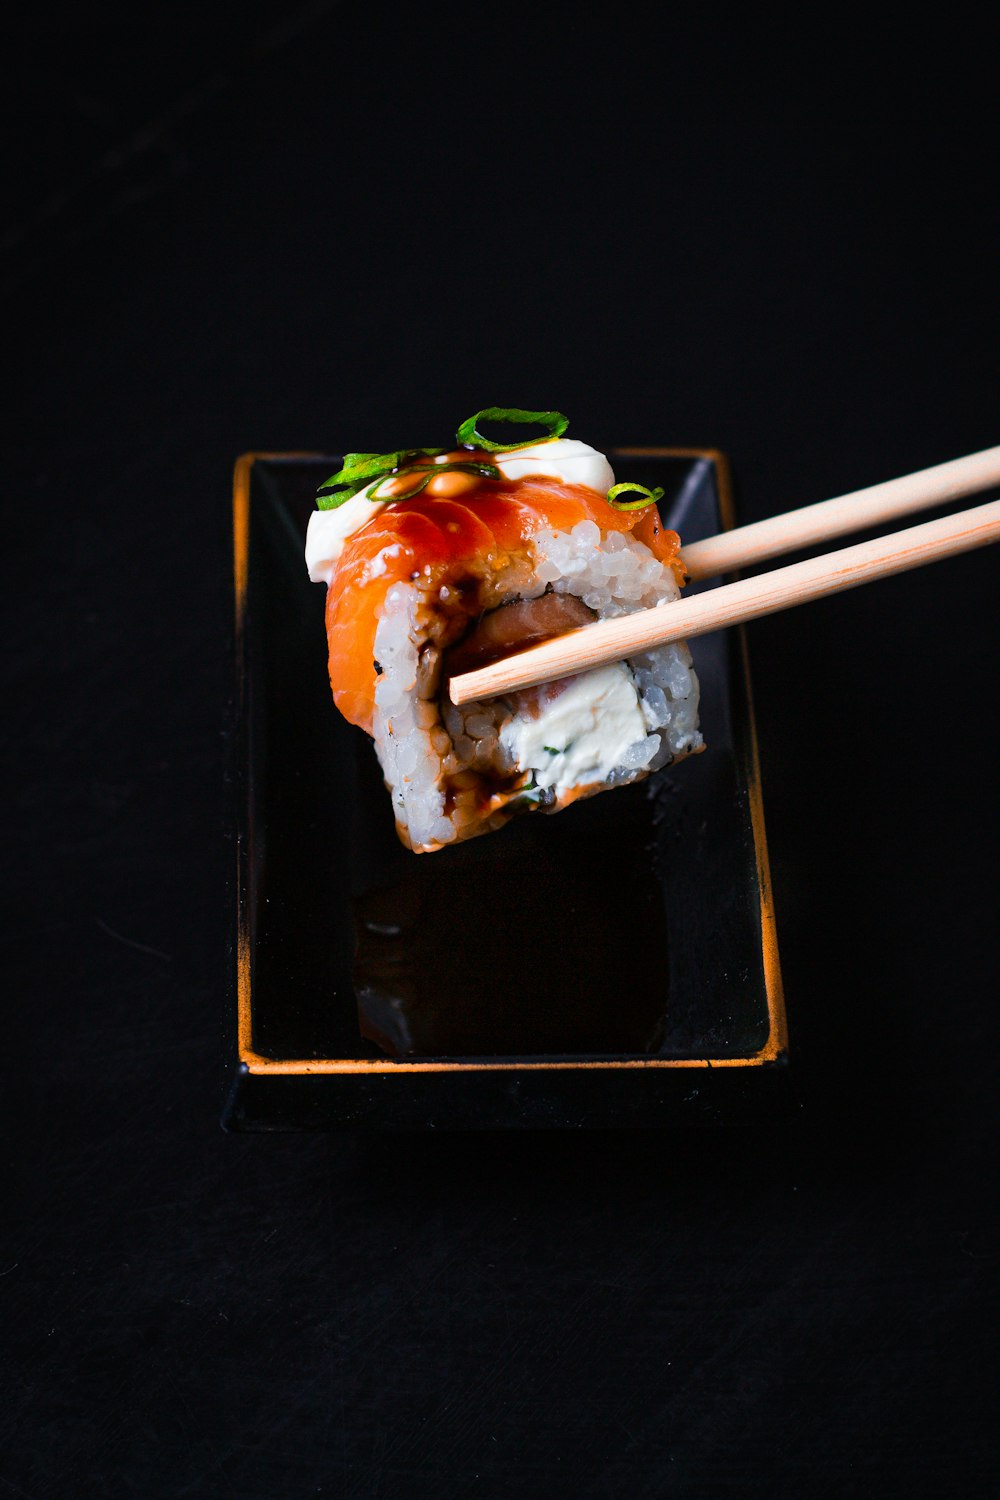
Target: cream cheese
[(565, 459), (328, 530), (582, 733)]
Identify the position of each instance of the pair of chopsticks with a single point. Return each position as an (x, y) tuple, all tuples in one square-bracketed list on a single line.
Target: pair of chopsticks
[(749, 598)]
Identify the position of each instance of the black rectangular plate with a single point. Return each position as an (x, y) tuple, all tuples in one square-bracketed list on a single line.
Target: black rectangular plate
[(655, 994)]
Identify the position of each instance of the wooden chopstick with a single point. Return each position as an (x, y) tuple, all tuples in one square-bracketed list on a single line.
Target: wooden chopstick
[(827, 519), (732, 603)]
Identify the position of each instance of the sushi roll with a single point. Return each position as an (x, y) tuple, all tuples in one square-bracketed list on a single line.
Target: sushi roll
[(438, 561)]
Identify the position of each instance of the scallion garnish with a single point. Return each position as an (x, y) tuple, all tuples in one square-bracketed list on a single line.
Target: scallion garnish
[(359, 469), (649, 497), (332, 499), (427, 472), (469, 435), (369, 471)]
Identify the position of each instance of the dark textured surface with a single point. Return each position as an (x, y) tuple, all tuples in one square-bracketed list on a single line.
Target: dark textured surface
[(275, 229)]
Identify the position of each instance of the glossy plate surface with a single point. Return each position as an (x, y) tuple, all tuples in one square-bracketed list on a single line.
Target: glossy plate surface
[(612, 964)]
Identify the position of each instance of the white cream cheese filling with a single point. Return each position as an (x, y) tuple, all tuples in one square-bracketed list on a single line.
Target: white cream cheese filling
[(566, 459), (583, 733)]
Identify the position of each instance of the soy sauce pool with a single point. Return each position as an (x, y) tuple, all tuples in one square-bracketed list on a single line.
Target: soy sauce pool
[(547, 937)]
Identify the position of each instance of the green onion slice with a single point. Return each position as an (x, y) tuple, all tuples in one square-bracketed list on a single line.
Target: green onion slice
[(333, 499), (410, 494), (367, 471), (649, 497), (469, 435), (426, 473), (361, 468)]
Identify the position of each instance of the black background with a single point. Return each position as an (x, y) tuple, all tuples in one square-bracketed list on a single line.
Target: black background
[(332, 226)]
